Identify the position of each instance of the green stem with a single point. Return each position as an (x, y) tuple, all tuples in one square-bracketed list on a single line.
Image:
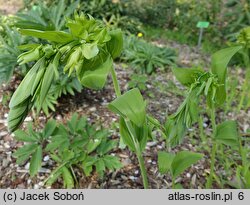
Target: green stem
[(143, 170), (74, 176), (115, 82), (173, 182), (214, 148), (132, 133), (202, 135), (245, 85), (138, 154)]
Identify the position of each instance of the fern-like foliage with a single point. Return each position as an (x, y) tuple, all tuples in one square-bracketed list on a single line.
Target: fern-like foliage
[(147, 57), (43, 17), (10, 39)]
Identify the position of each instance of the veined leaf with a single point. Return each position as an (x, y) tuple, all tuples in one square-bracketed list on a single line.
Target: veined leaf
[(112, 162), (94, 73), (165, 161), (187, 76), (36, 161), (183, 160), (24, 89), (46, 83), (54, 36), (227, 133), (18, 114), (90, 50), (24, 137), (49, 128), (115, 45), (131, 106), (220, 60), (68, 180), (26, 149)]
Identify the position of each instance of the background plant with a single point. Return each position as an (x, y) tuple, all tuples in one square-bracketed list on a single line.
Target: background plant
[(176, 163), (78, 144), (145, 57), (10, 39)]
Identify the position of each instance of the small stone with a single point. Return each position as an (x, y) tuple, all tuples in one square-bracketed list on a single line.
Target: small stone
[(188, 175), (151, 144), (46, 158), (159, 146), (205, 125), (28, 119), (40, 184), (29, 181), (3, 133), (6, 145), (58, 117), (36, 186), (92, 109), (27, 166), (6, 115), (132, 178), (126, 162), (5, 162)]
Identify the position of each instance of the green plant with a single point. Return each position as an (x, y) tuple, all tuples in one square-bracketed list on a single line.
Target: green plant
[(138, 81), (34, 145), (157, 13), (10, 39), (87, 50), (134, 125), (211, 85), (42, 17), (78, 144), (147, 57), (176, 163), (224, 56), (113, 14), (237, 15)]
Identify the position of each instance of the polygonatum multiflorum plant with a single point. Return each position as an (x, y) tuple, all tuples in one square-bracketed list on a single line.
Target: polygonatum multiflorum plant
[(87, 49), (211, 85)]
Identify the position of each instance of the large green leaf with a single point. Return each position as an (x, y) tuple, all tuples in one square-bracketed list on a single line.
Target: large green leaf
[(46, 83), (90, 50), (126, 136), (220, 60), (227, 133), (115, 45), (24, 89), (165, 161), (18, 114), (183, 160), (55, 36), (36, 161), (130, 106), (186, 76), (94, 72)]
